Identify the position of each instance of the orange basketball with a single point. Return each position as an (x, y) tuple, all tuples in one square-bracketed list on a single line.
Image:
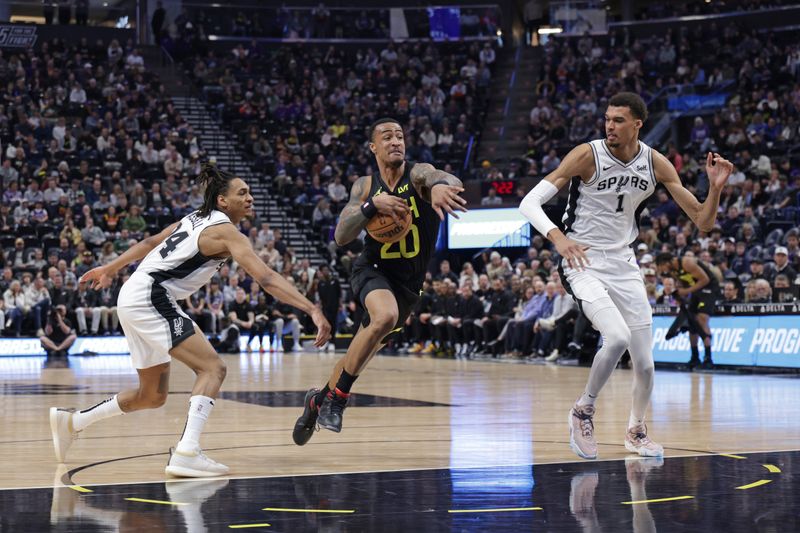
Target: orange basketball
[(383, 228)]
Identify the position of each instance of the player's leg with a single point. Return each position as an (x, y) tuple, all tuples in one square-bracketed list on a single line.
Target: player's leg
[(630, 295), (65, 424), (326, 406), (703, 322), (602, 312), (382, 308), (197, 353)]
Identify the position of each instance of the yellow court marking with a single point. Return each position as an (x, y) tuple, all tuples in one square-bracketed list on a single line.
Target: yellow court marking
[(501, 510), (78, 488), (284, 510), (732, 456), (772, 468), (754, 485), (142, 500), (243, 526), (659, 500)]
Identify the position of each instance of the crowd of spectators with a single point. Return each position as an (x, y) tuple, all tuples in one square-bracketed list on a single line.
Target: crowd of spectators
[(687, 8), (302, 112), (93, 158), (196, 23)]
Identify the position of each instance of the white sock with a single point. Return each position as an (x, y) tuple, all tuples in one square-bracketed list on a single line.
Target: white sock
[(105, 409), (199, 410), (586, 399), (634, 421)]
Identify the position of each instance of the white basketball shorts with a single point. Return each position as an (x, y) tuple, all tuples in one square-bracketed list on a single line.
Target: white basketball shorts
[(612, 273), (152, 321)]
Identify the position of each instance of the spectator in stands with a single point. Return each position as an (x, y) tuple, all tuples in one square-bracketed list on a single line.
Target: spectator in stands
[(730, 293), (491, 198), (781, 266), (38, 303), (57, 336), (16, 308)]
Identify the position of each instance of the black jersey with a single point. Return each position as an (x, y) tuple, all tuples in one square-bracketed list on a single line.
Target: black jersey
[(405, 261), (689, 280)]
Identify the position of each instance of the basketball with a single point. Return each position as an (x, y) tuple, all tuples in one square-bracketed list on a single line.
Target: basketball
[(383, 228)]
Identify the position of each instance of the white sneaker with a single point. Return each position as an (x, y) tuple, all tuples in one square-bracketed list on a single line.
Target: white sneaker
[(277, 347), (195, 464), (297, 347), (61, 428), (553, 357), (637, 441), (331, 347), (547, 324)]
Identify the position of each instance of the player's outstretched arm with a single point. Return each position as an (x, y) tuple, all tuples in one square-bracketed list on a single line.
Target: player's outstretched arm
[(703, 215), (360, 209), (242, 252), (444, 198), (102, 276), (578, 162)]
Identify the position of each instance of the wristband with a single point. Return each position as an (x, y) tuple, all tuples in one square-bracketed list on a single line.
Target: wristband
[(368, 209), (440, 182)]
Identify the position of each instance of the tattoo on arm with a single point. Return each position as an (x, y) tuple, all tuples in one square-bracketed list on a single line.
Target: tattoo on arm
[(351, 220), (424, 175)]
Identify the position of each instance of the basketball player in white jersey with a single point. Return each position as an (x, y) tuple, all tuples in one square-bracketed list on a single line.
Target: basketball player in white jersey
[(609, 181), (177, 262)]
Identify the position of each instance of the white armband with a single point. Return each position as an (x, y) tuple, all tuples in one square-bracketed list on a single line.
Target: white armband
[(531, 206)]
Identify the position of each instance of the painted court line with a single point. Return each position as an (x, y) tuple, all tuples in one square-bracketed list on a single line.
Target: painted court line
[(142, 500), (772, 468), (284, 510), (243, 526), (78, 488), (500, 510), (754, 485), (732, 456), (659, 500)]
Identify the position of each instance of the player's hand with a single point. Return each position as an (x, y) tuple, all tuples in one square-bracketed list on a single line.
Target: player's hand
[(394, 206), (573, 252), (98, 278), (718, 170), (446, 198), (323, 327)]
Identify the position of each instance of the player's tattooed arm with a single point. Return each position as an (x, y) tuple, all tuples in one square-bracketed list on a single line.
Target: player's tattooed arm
[(425, 175), (351, 219), (443, 198)]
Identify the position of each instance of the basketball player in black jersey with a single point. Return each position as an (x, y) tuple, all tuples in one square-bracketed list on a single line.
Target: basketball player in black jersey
[(700, 289), (386, 278)]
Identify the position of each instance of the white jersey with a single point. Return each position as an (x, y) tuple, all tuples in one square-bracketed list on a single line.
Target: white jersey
[(177, 263), (604, 212)]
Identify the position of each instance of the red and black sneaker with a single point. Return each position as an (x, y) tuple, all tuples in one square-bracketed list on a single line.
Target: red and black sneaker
[(307, 423), (332, 409)]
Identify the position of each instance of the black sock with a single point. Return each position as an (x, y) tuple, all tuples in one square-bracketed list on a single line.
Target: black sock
[(695, 353), (345, 382), (321, 395), (708, 353)]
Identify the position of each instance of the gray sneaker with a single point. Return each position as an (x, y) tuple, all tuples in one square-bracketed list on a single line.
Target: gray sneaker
[(581, 431)]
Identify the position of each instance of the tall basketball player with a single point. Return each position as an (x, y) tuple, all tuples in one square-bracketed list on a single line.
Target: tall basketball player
[(177, 262), (386, 278), (609, 181)]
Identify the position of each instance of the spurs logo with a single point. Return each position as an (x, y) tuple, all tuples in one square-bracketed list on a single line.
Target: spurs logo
[(178, 326)]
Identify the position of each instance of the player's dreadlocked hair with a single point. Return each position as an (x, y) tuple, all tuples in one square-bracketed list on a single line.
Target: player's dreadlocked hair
[(216, 182)]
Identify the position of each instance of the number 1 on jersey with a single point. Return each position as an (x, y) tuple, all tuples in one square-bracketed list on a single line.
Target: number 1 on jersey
[(172, 242), (620, 197)]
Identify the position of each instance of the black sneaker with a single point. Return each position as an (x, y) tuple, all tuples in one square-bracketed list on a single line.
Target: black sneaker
[(331, 411), (307, 423)]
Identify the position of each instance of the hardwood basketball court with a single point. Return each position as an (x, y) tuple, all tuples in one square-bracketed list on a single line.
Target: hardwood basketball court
[(412, 420)]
